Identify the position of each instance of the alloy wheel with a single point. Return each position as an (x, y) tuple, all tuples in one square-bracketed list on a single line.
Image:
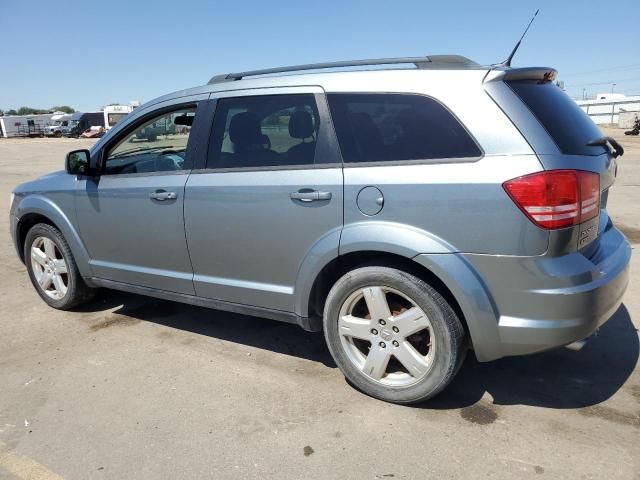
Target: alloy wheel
[(387, 336), (49, 268)]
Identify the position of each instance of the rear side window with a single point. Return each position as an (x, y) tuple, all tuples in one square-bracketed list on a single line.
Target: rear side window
[(264, 131), (569, 127), (392, 127)]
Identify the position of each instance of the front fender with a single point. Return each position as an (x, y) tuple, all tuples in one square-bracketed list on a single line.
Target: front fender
[(41, 205)]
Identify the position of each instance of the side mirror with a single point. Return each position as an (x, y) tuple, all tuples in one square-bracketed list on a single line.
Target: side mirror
[(77, 162)]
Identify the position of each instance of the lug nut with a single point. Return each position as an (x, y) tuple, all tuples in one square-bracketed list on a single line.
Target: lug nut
[(395, 343), (395, 329), (382, 322), (374, 331), (382, 345)]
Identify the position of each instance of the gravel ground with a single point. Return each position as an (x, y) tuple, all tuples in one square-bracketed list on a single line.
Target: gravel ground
[(133, 387)]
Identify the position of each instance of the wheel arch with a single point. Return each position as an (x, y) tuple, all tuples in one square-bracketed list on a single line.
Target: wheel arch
[(415, 251), (37, 209), (449, 274)]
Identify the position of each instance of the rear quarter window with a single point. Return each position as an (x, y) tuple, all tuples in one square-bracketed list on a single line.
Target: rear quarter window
[(383, 127), (567, 124)]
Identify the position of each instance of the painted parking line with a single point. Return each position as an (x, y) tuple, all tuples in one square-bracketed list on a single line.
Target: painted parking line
[(23, 467)]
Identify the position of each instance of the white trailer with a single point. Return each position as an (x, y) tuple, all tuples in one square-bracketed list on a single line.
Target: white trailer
[(24, 125), (114, 113)]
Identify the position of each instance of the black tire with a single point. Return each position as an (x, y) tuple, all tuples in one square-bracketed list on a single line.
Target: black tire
[(448, 333), (77, 290)]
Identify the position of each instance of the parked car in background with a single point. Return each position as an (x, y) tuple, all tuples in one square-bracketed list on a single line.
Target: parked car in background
[(81, 121), (59, 121), (410, 214)]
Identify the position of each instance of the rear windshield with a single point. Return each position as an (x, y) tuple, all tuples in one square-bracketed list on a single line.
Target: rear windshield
[(566, 122)]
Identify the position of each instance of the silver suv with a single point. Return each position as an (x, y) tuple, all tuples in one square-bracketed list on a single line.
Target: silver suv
[(409, 213)]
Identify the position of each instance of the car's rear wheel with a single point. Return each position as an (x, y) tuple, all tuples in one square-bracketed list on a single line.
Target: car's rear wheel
[(52, 268), (392, 335)]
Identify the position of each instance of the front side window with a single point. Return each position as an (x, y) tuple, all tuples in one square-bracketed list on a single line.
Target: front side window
[(384, 127), (157, 145), (264, 131)]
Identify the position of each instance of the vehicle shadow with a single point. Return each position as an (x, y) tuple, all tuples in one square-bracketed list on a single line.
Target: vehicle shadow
[(559, 378), (278, 337)]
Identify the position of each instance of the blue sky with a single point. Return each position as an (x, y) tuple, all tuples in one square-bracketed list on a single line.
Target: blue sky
[(87, 53)]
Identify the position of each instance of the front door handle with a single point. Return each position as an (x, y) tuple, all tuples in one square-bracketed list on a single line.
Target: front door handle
[(162, 195), (308, 195)]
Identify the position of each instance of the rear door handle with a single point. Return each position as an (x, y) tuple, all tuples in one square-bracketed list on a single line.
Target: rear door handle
[(310, 195), (162, 195)]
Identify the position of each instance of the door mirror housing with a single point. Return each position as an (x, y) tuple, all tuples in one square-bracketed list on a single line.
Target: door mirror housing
[(77, 162)]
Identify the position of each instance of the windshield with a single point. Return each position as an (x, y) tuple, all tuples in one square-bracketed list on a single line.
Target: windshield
[(567, 124), (114, 118), (73, 123)]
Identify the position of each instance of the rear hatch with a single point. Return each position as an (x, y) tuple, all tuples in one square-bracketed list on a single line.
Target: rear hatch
[(565, 140)]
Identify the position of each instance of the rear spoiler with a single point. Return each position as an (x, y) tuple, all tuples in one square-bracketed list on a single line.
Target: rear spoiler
[(501, 74)]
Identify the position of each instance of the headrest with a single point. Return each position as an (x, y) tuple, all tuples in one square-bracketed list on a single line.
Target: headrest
[(244, 130), (301, 124), (184, 120)]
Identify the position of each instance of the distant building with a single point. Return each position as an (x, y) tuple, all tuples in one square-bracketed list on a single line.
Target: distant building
[(606, 107)]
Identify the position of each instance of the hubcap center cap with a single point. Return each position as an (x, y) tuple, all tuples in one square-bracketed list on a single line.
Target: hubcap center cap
[(386, 334)]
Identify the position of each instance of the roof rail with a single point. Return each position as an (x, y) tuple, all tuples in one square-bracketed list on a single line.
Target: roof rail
[(431, 62)]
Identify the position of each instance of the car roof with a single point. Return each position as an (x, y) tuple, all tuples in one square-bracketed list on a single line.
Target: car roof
[(311, 74)]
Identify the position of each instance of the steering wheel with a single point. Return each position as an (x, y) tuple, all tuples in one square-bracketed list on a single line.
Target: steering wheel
[(171, 154)]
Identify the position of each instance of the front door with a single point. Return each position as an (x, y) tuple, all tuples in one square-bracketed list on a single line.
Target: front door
[(271, 196), (131, 216)]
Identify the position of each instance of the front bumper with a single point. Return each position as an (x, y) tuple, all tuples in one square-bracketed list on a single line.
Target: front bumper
[(13, 229), (545, 302)]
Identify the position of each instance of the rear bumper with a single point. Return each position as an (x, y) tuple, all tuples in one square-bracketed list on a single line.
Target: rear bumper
[(546, 302)]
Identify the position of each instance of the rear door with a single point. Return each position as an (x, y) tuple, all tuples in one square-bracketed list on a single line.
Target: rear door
[(269, 195)]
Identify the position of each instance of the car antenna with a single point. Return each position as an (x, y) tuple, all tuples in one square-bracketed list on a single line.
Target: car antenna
[(507, 62)]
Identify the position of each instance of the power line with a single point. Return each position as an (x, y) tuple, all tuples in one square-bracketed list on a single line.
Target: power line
[(609, 82), (617, 68)]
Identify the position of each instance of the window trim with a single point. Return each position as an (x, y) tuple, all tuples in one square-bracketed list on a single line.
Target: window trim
[(132, 126), (416, 161), (327, 142)]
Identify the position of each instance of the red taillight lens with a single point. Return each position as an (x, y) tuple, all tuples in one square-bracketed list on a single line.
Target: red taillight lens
[(556, 198)]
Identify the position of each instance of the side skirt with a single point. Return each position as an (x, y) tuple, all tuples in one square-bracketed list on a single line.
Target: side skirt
[(307, 323)]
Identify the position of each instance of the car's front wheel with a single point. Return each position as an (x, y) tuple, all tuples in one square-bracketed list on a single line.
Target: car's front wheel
[(393, 335), (52, 268)]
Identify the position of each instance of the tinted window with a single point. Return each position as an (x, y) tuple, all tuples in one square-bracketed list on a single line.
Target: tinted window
[(565, 121), (387, 127), (264, 131), (157, 145)]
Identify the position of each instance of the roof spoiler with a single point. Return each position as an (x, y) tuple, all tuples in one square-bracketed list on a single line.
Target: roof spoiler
[(501, 74)]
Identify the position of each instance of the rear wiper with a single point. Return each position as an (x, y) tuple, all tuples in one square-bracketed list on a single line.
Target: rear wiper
[(610, 143), (139, 150)]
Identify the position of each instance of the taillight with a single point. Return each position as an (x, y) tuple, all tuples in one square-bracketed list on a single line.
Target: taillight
[(556, 198)]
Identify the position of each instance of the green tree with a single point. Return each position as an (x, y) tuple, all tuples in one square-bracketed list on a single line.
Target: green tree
[(1, 113), (12, 112), (63, 108), (31, 111)]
